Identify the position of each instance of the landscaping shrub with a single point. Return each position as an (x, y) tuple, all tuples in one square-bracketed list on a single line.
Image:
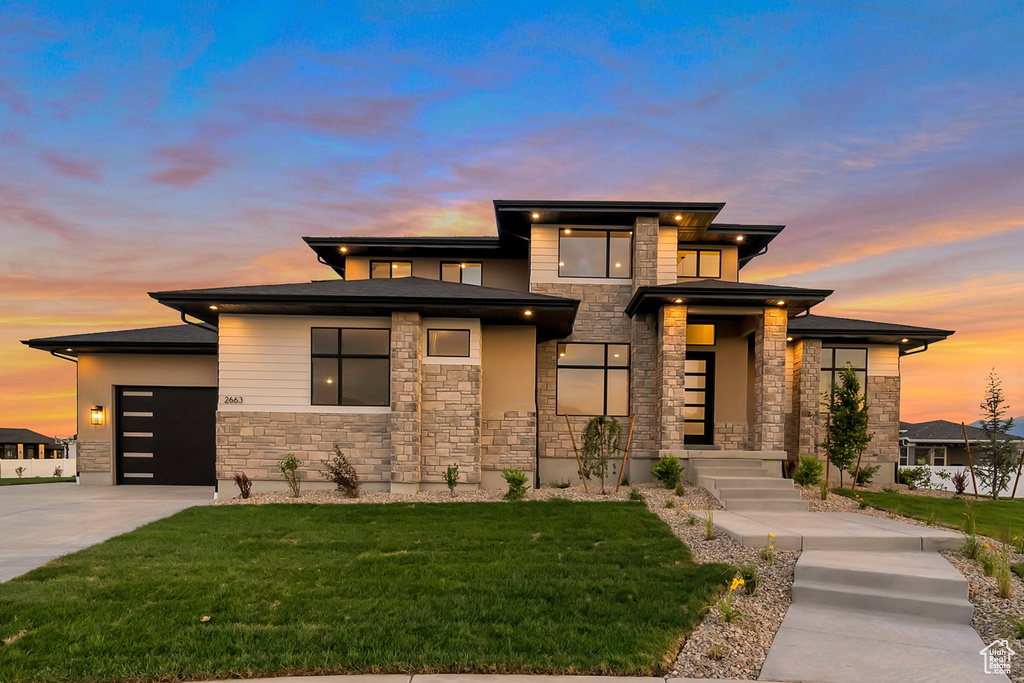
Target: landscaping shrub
[(634, 494), (1004, 578), (289, 468), (680, 491), (959, 480), (709, 524), (988, 563), (670, 504), (1017, 626), (971, 547), (823, 489), (867, 473), (915, 477), (19, 471), (516, 480), (244, 484), (809, 471), (668, 471), (1018, 569), (451, 478), (342, 473), (58, 472), (562, 484), (751, 578), (768, 554), (601, 438)]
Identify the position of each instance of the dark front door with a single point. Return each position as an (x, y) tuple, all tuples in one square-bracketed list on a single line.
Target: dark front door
[(699, 413), (165, 435)]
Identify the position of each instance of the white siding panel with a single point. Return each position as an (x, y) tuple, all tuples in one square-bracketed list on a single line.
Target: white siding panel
[(265, 362), (883, 361)]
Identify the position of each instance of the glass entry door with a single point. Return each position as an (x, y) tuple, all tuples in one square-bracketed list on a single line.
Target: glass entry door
[(699, 413)]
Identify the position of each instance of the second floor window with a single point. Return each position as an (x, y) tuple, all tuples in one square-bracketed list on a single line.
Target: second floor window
[(386, 269), (462, 271), (595, 253), (351, 366), (699, 263)]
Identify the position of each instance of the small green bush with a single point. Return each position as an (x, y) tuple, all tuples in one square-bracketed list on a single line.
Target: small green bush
[(915, 477), (670, 504), (1017, 626), (516, 480), (809, 471), (988, 563), (289, 468), (634, 494), (451, 478), (668, 471), (751, 578), (866, 474), (562, 484), (680, 491), (1018, 569)]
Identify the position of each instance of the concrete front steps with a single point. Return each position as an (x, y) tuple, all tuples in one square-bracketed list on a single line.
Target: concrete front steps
[(746, 483), (919, 584)]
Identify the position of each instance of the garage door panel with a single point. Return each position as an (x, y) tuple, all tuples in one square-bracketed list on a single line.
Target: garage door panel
[(166, 435)]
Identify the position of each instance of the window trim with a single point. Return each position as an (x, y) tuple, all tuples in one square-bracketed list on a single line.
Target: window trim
[(469, 342), (462, 270), (605, 367), (833, 371), (607, 255), (698, 251), (391, 263), (339, 356)]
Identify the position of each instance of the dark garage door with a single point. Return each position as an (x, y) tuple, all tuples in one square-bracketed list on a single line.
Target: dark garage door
[(165, 435)]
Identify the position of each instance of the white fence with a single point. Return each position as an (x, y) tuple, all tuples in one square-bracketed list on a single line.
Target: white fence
[(38, 468), (938, 482)]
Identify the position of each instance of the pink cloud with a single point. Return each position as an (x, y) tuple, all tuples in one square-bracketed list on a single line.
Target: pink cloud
[(352, 115), (12, 98), (186, 164), (72, 168)]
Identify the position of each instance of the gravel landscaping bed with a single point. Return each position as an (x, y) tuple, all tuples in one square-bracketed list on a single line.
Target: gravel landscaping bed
[(715, 649)]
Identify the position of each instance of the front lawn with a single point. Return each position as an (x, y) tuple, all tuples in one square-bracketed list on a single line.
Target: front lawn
[(12, 481), (991, 517), (543, 587)]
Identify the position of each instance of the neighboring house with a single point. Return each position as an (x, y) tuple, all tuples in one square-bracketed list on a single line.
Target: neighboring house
[(939, 445), (24, 444), (485, 351)]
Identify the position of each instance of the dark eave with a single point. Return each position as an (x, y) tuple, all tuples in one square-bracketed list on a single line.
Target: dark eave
[(725, 294), (170, 339), (329, 249), (910, 338), (553, 316), (756, 238)]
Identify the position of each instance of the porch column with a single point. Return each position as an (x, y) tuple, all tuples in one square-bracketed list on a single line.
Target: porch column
[(806, 396), (643, 332), (770, 380), (671, 376), (406, 403)]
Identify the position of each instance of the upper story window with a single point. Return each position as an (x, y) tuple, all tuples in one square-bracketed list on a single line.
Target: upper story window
[(386, 269), (461, 271), (699, 263), (595, 253), (351, 366), (593, 379), (834, 359)]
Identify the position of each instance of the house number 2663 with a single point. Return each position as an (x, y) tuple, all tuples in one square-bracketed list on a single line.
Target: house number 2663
[(233, 399)]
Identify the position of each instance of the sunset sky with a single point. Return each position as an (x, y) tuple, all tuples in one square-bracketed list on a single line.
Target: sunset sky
[(146, 148)]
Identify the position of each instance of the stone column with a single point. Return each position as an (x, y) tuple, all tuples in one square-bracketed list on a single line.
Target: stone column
[(406, 403), (644, 379), (645, 252), (671, 376), (806, 397), (883, 398), (770, 380)]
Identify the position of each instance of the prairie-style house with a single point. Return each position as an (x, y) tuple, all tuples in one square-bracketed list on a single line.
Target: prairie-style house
[(489, 352)]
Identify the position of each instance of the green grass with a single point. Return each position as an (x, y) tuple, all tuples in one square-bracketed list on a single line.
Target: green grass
[(544, 587), (15, 481), (991, 517), (1018, 569)]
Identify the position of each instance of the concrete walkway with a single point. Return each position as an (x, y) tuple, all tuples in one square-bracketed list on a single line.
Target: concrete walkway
[(39, 522), (872, 600)]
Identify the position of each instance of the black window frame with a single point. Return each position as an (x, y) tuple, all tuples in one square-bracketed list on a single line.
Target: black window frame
[(339, 356), (462, 269), (607, 252), (834, 371), (605, 367), (391, 263), (698, 251), (469, 342)]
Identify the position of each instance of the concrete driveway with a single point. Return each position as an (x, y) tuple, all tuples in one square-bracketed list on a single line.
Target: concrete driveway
[(39, 522)]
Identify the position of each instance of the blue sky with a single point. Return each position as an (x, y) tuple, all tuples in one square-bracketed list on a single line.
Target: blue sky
[(153, 145)]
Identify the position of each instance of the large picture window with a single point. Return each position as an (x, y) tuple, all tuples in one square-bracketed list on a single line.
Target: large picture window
[(351, 366), (463, 272), (699, 263), (593, 379), (834, 359), (924, 455), (388, 269), (595, 253)]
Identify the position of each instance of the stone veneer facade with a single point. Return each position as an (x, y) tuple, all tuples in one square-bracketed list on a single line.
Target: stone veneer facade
[(94, 456), (770, 380)]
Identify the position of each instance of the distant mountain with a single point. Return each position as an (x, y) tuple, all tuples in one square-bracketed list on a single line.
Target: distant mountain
[(1018, 426)]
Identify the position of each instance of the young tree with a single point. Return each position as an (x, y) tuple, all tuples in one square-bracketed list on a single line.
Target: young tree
[(848, 422), (997, 455), (601, 439)]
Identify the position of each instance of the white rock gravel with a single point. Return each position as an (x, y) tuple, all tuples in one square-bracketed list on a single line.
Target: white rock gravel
[(740, 647)]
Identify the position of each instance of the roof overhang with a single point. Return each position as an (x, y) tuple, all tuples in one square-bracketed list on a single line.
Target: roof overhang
[(333, 251), (793, 299), (516, 217), (910, 339)]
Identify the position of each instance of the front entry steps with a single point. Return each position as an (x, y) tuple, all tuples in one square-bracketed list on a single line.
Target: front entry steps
[(746, 484)]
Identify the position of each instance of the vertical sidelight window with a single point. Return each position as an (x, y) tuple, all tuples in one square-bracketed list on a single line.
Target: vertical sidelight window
[(463, 272), (834, 359), (595, 253), (351, 366), (388, 269), (593, 379)]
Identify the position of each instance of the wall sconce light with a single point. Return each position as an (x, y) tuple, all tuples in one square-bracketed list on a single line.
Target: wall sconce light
[(97, 415)]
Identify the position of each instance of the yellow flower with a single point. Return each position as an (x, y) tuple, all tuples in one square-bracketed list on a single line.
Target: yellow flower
[(771, 547), (986, 545), (771, 534), (735, 584), (686, 505)]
